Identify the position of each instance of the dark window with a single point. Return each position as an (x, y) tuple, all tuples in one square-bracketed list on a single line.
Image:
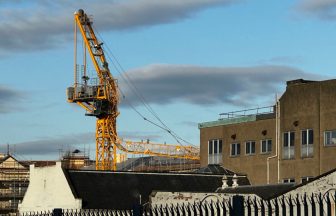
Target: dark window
[(310, 136), (220, 146), (304, 137), (215, 151), (269, 145), (285, 139), (288, 139), (210, 147), (288, 145), (266, 146), (235, 149), (292, 138), (288, 180), (215, 143), (307, 137), (306, 179), (250, 147)]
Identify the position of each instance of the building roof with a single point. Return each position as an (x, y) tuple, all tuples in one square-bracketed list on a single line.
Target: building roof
[(22, 163), (241, 116), (263, 191), (305, 183), (298, 81), (121, 190), (215, 169), (270, 191), (42, 163)]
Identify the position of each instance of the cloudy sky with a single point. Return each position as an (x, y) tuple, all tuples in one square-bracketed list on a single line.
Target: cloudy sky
[(189, 60)]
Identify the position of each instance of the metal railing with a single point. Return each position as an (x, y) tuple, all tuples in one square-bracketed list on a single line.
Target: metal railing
[(236, 205), (247, 112)]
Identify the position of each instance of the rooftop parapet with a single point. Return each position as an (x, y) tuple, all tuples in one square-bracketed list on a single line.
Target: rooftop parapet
[(241, 116)]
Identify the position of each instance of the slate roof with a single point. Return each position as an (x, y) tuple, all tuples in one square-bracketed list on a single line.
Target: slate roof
[(263, 191), (121, 190), (216, 169)]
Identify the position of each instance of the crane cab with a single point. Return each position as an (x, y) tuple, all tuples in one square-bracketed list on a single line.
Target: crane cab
[(91, 95)]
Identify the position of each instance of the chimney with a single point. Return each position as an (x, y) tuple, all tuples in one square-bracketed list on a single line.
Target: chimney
[(224, 180), (235, 181)]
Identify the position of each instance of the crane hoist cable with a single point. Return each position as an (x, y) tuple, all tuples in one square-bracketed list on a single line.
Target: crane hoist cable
[(136, 91)]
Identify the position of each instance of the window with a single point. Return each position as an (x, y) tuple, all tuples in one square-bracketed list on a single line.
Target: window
[(215, 147), (330, 138), (235, 149), (306, 179), (307, 140), (288, 145), (250, 147), (266, 146), (288, 180)]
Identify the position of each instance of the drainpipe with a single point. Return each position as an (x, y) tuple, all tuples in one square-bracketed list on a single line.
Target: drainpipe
[(277, 124)]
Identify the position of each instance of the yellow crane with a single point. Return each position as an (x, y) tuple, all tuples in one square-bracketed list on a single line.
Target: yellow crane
[(100, 99)]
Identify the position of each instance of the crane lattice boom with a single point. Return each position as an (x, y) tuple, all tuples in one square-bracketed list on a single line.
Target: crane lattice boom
[(100, 98)]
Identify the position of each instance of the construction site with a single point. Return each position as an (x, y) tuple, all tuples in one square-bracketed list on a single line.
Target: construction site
[(265, 160)]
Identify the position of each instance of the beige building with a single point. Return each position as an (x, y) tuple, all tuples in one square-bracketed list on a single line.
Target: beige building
[(292, 141)]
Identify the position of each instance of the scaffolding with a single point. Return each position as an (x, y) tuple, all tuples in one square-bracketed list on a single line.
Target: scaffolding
[(14, 180)]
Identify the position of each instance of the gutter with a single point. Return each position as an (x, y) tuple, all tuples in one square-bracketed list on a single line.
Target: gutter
[(277, 130)]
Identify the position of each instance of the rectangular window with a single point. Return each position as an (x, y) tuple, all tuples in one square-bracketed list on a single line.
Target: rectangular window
[(250, 147), (306, 179), (215, 147), (307, 137), (288, 180), (210, 144), (288, 145), (330, 138), (235, 149), (215, 144), (266, 146), (307, 140)]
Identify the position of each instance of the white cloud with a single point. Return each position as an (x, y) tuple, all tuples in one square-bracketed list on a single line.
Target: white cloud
[(47, 24), (323, 9)]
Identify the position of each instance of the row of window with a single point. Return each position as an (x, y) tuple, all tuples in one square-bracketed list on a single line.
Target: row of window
[(292, 180), (215, 147), (307, 141), (288, 151), (307, 137), (250, 147)]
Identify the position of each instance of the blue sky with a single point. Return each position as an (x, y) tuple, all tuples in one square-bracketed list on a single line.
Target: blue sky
[(190, 59)]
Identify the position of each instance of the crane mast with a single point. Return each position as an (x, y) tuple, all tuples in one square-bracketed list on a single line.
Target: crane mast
[(100, 99)]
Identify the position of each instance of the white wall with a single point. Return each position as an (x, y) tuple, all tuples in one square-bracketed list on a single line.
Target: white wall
[(322, 185), (48, 189)]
